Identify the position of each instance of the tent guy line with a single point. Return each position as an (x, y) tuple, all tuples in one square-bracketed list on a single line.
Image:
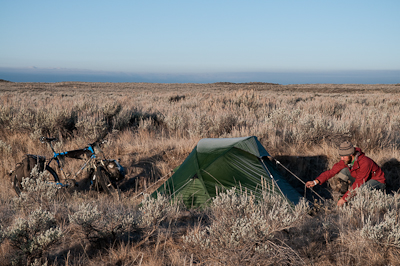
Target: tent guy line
[(298, 178)]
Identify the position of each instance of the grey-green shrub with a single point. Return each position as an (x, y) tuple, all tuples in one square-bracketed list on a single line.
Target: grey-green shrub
[(87, 218), (374, 214), (371, 215), (5, 148), (154, 211), (240, 221), (109, 223), (36, 191), (33, 236), (369, 204), (385, 232)]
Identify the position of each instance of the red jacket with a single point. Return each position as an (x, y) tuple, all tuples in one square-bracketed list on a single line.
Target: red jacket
[(363, 170)]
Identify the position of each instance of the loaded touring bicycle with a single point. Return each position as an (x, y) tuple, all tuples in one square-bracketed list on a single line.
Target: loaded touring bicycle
[(104, 173)]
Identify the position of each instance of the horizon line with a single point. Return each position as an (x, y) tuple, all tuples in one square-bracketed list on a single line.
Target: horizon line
[(277, 77)]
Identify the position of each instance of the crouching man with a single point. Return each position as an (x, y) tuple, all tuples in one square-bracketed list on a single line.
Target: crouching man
[(354, 167)]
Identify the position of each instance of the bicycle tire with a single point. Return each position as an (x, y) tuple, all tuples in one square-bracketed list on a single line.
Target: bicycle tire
[(17, 186), (53, 178), (94, 182), (105, 182)]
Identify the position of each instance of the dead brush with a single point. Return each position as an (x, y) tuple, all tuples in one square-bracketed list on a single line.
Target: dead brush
[(176, 98)]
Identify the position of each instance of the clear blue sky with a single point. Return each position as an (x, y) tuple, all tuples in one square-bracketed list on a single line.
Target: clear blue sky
[(200, 36)]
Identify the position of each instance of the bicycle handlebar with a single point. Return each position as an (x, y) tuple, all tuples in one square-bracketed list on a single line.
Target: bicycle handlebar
[(45, 139), (98, 142)]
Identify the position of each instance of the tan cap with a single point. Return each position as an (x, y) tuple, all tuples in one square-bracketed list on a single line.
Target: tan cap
[(346, 148)]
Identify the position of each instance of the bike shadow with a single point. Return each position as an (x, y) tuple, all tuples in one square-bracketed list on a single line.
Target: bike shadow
[(142, 174)]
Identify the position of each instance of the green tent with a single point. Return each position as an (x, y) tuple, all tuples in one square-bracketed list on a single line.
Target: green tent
[(218, 164)]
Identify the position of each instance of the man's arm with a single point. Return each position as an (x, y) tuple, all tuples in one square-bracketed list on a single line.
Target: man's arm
[(322, 178), (313, 183), (341, 202)]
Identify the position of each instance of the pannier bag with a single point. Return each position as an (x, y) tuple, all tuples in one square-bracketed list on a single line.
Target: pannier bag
[(116, 170), (24, 168)]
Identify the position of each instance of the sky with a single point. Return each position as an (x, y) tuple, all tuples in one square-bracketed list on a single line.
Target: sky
[(200, 41)]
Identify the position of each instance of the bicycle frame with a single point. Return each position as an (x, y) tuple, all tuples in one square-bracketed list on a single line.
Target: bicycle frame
[(100, 174), (74, 154)]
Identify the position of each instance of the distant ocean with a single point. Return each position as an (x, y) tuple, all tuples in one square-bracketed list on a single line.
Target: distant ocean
[(284, 78)]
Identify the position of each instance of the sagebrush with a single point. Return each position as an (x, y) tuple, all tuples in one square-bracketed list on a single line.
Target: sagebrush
[(151, 129)]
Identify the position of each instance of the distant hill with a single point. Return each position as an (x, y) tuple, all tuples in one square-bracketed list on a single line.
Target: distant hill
[(245, 83)]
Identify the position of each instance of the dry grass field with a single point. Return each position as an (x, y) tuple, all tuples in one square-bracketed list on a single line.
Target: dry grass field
[(151, 128)]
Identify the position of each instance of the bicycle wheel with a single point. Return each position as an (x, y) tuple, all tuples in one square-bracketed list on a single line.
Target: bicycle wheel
[(94, 181), (52, 177), (104, 180), (17, 185)]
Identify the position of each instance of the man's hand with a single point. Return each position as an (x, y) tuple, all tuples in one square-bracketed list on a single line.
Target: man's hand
[(311, 184), (341, 202)]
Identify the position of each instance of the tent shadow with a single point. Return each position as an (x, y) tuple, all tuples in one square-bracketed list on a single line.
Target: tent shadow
[(306, 168), (391, 168), (310, 167)]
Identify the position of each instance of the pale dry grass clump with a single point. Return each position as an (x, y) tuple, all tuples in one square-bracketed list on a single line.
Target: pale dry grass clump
[(151, 128), (243, 230)]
